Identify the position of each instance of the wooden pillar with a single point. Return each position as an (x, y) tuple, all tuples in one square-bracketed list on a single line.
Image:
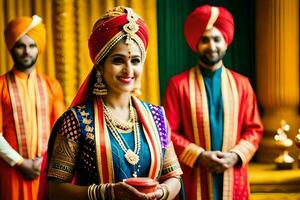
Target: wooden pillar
[(65, 44), (277, 66)]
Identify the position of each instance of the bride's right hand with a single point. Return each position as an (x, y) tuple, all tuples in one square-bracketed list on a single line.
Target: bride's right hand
[(123, 191)]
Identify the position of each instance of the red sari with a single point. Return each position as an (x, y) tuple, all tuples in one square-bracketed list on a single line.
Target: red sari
[(187, 111)]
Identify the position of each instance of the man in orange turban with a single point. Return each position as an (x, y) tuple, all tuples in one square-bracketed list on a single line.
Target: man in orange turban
[(212, 111), (29, 105)]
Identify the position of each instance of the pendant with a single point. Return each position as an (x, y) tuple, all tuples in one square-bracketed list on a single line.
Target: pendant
[(134, 174), (131, 157)]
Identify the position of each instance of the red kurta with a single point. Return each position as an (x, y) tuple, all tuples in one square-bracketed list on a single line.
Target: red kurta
[(12, 184), (187, 111)]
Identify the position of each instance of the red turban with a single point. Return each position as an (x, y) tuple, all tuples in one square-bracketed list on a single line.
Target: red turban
[(33, 27), (118, 23), (203, 18), (108, 30)]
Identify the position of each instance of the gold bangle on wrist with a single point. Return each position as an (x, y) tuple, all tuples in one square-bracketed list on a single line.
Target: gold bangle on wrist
[(112, 191), (90, 191), (102, 191), (165, 190)]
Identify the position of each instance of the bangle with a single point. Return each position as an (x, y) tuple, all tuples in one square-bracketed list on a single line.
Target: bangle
[(165, 190), (112, 192), (102, 191), (92, 190)]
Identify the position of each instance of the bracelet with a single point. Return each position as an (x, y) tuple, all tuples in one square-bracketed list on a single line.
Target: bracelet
[(112, 191), (93, 192), (165, 190), (102, 191)]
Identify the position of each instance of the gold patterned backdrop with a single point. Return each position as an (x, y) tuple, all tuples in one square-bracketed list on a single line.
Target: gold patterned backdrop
[(68, 24)]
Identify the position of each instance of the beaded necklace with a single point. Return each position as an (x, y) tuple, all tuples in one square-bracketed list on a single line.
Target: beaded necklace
[(132, 157), (125, 126)]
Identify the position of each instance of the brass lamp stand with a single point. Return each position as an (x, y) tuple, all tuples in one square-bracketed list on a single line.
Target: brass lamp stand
[(283, 160), (297, 142)]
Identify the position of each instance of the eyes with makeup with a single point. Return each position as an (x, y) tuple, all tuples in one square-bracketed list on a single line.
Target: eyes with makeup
[(120, 60)]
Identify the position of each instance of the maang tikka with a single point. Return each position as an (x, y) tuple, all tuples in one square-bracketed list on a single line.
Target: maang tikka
[(99, 86), (130, 28)]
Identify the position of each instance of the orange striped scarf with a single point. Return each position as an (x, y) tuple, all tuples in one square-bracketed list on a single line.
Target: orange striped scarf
[(42, 115)]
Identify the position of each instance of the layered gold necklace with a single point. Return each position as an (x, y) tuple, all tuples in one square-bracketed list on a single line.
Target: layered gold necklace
[(114, 124), (119, 124)]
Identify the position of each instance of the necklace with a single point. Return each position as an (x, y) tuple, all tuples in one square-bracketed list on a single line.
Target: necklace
[(132, 157), (125, 126)]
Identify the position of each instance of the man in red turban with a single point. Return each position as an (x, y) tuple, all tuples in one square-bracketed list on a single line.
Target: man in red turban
[(29, 105), (212, 111)]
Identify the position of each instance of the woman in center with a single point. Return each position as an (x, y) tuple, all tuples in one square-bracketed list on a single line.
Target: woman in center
[(108, 134)]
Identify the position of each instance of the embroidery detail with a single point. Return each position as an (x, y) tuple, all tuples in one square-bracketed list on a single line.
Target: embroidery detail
[(64, 158), (87, 122), (88, 169), (161, 125)]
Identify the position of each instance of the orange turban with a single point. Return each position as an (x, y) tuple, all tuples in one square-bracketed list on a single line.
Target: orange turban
[(204, 18), (33, 27)]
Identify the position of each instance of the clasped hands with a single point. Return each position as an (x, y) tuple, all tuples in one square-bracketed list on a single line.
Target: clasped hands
[(217, 161), (30, 168)]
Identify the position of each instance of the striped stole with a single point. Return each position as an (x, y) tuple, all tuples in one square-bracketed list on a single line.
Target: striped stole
[(201, 125), (42, 115), (154, 133)]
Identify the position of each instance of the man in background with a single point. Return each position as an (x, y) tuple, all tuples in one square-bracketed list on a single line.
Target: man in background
[(29, 105), (213, 114)]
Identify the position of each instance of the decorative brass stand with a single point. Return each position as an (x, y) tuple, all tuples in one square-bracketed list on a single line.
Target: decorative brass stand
[(284, 160), (297, 142)]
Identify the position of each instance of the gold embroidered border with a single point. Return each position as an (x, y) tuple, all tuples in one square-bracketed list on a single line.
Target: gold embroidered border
[(228, 183), (205, 109), (152, 138), (205, 123), (245, 150), (171, 166), (190, 154), (102, 140), (62, 163)]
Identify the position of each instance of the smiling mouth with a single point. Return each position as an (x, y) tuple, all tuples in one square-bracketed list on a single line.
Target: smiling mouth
[(125, 79)]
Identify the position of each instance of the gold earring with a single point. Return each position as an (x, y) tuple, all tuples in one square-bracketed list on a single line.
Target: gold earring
[(99, 86), (137, 88)]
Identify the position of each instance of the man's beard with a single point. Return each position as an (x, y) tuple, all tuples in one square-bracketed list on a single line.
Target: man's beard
[(21, 65), (210, 62)]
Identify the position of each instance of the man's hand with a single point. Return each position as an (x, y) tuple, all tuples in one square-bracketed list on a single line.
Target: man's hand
[(216, 161), (230, 159), (37, 163), (30, 169)]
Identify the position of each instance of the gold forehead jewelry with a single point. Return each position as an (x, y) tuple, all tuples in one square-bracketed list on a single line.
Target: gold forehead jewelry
[(130, 28)]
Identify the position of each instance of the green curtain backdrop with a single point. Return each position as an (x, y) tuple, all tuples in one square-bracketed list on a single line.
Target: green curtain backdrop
[(174, 53)]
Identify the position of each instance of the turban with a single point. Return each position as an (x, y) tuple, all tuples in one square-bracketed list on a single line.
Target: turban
[(120, 22), (116, 24), (204, 18), (33, 27)]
